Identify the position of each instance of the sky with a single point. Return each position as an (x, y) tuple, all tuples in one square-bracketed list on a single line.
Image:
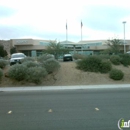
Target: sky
[(46, 19)]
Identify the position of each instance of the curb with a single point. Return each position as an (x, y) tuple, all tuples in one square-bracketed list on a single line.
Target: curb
[(50, 88)]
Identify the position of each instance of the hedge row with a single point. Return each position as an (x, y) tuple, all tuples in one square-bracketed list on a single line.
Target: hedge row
[(1, 73), (32, 71), (96, 64), (3, 63), (120, 59)]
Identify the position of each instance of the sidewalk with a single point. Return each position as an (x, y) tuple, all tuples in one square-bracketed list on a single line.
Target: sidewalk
[(49, 88)]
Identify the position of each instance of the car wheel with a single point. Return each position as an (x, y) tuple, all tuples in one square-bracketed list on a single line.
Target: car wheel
[(11, 64)]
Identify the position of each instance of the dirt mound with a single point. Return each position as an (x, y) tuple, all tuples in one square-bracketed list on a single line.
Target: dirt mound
[(69, 75)]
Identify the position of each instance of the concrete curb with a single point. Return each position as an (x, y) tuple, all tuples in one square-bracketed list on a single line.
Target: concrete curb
[(50, 88)]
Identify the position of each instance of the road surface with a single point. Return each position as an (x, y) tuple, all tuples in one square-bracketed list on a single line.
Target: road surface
[(64, 110)]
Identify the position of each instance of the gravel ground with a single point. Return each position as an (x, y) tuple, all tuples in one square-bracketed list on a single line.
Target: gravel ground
[(69, 75)]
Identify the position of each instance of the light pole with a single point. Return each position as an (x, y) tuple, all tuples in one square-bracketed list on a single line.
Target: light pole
[(124, 22)]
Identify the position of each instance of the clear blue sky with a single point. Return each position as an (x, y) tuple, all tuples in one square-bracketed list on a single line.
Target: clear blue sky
[(46, 19)]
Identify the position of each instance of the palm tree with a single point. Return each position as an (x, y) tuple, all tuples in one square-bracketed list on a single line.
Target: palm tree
[(56, 49), (114, 45)]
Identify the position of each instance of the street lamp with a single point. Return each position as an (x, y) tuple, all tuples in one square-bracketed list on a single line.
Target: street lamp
[(124, 22)]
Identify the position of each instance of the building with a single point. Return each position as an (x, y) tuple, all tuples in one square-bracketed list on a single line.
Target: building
[(86, 47), (34, 47), (30, 47)]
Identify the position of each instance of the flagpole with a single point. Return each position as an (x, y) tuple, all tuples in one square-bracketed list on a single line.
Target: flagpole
[(66, 32), (81, 33), (81, 29)]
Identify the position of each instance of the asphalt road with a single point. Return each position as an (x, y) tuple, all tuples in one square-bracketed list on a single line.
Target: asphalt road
[(64, 110)]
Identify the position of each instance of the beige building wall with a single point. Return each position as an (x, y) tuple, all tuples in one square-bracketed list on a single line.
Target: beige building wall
[(38, 42), (30, 47), (92, 41), (103, 47), (29, 44), (21, 42)]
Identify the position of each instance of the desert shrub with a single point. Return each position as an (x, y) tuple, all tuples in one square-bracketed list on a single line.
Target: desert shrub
[(115, 59), (51, 65), (105, 66), (36, 74), (79, 56), (116, 74), (81, 64), (125, 59), (104, 56), (28, 59), (1, 73), (3, 52), (31, 64), (91, 63), (3, 63), (17, 72), (44, 57), (13, 50)]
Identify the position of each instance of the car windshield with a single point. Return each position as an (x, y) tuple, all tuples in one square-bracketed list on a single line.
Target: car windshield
[(67, 55), (17, 56)]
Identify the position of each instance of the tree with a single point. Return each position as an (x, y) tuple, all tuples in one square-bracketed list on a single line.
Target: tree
[(13, 50), (3, 52), (114, 45), (56, 49)]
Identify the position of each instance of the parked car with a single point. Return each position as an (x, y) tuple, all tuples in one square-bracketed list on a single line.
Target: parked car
[(67, 57), (128, 52), (16, 58)]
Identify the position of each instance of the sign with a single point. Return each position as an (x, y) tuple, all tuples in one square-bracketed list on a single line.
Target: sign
[(122, 124), (21, 42)]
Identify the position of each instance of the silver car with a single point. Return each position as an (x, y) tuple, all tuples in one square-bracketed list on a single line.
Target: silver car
[(16, 58)]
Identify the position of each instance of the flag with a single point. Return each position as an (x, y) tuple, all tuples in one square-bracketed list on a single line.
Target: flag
[(66, 25), (81, 24)]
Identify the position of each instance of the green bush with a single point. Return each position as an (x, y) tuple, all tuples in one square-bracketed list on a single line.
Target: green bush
[(115, 59), (91, 63), (31, 64), (3, 63), (79, 56), (105, 66), (116, 74), (51, 65), (28, 59), (36, 74), (17, 72), (13, 50), (44, 57), (3, 52), (81, 64), (104, 56), (1, 73), (125, 59)]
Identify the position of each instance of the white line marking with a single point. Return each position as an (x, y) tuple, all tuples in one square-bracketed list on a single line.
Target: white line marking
[(9, 112), (96, 109), (50, 110)]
